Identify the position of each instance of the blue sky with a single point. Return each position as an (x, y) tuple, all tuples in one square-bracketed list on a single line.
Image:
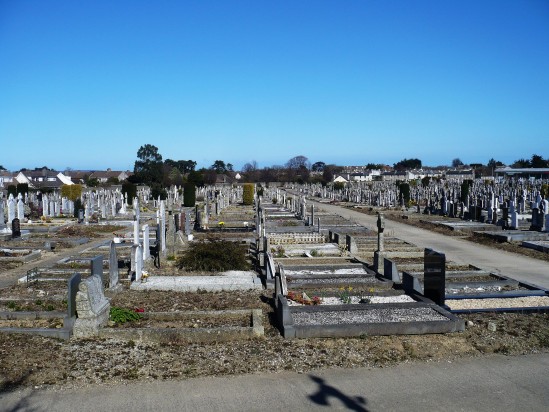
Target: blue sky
[(83, 84)]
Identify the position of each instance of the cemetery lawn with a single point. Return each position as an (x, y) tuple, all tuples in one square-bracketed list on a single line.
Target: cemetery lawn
[(36, 361)]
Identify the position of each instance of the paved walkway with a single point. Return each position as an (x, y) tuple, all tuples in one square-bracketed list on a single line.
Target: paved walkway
[(518, 267), (494, 383)]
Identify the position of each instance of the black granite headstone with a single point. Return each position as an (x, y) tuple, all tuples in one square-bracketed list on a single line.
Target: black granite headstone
[(434, 277), (15, 228)]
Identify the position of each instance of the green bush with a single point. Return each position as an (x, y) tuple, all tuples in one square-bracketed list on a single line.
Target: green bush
[(131, 190), (248, 195), (404, 193), (465, 187), (12, 189), (214, 255), (22, 188), (77, 207), (189, 195), (120, 315)]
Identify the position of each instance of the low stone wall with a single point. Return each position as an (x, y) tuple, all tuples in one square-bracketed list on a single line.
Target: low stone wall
[(296, 238)]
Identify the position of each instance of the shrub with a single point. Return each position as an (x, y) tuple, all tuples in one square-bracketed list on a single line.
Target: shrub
[(131, 190), (120, 315), (22, 188), (465, 187), (71, 192), (77, 207), (214, 255), (189, 195), (12, 189), (404, 192), (248, 195)]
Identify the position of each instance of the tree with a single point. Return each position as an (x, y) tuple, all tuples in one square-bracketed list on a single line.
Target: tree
[(457, 162), (148, 167), (2, 168), (538, 161), (219, 167), (189, 195), (92, 182), (318, 166), (297, 162), (521, 163), (186, 166), (130, 190), (408, 164), (374, 166), (251, 172), (196, 177), (229, 167), (248, 193)]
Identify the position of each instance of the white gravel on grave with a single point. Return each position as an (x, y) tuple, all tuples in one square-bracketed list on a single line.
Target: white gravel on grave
[(347, 271), (491, 303), (367, 316), (356, 300)]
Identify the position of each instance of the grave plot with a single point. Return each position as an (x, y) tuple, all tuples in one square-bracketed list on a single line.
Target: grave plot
[(233, 218), (46, 311), (364, 319), (516, 236), (334, 275), (49, 243), (348, 300), (462, 226), (465, 291), (189, 326), (541, 245)]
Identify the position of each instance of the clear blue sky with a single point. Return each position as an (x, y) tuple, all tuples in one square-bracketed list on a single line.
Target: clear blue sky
[(83, 84)]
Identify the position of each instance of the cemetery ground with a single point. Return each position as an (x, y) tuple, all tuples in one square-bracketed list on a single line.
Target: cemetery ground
[(35, 361), (430, 222), (44, 362)]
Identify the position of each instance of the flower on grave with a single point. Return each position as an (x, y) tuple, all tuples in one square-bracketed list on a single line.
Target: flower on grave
[(139, 310), (221, 223), (316, 300)]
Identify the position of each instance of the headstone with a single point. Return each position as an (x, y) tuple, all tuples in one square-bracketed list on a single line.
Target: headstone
[(434, 277), (15, 228), (146, 242), (92, 308), (96, 267), (113, 266), (73, 284)]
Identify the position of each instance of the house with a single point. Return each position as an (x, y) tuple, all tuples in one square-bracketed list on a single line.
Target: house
[(6, 179), (43, 178), (104, 176), (525, 173)]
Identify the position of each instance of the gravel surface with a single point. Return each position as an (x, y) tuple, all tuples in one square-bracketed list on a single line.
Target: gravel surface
[(356, 300), (525, 302), (367, 316), (364, 279)]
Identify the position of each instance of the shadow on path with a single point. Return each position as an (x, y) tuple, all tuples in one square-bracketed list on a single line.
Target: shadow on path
[(325, 391)]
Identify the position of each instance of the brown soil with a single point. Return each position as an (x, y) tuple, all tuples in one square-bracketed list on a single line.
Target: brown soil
[(92, 231), (191, 321), (33, 360), (32, 323)]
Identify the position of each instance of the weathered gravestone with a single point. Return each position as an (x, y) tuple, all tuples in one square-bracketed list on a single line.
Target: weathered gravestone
[(92, 308)]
